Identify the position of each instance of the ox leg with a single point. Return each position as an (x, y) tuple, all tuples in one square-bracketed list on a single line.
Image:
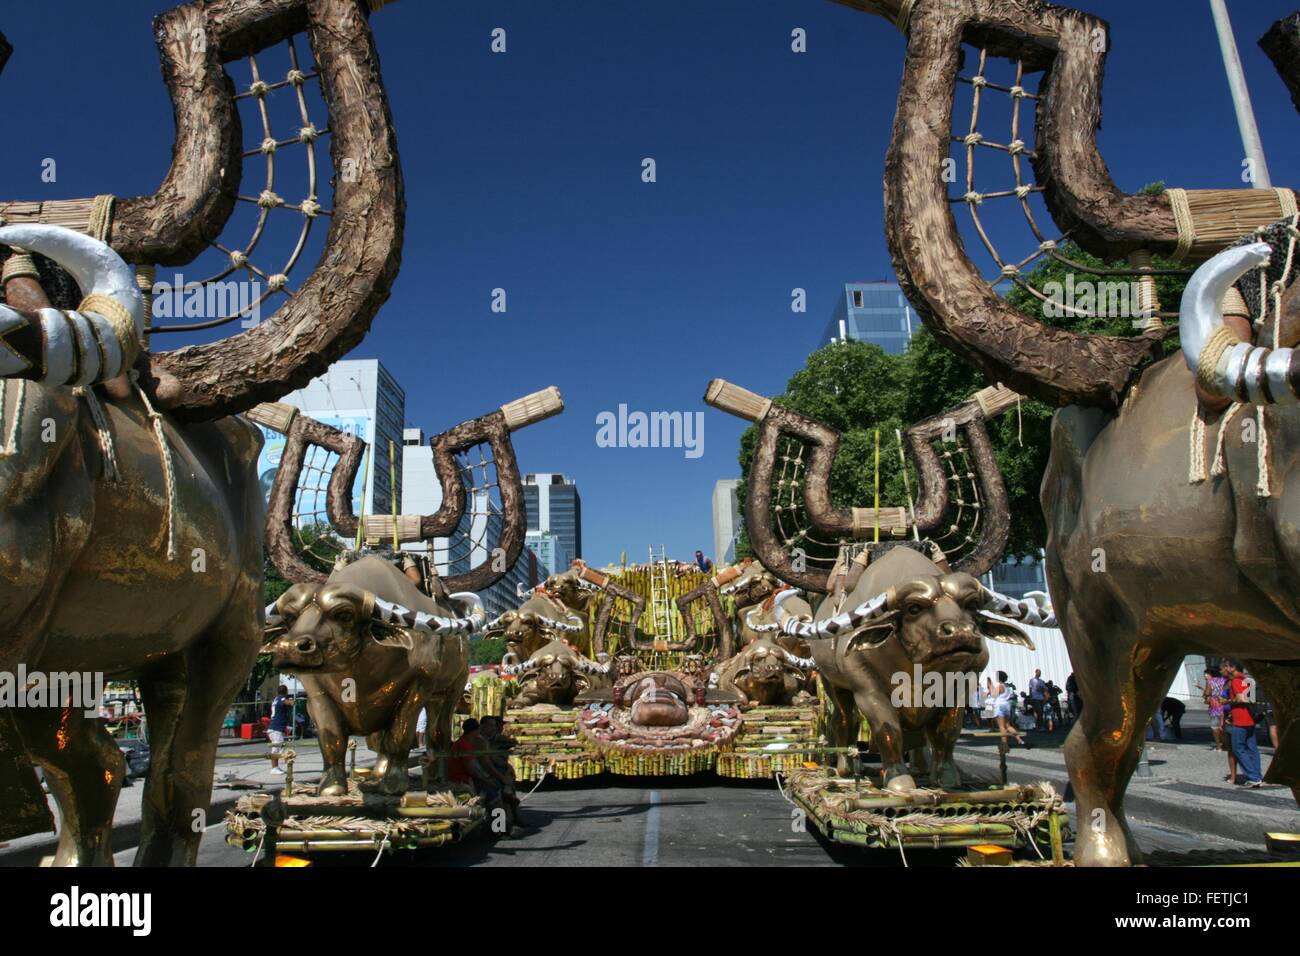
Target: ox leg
[(394, 743), (214, 669), (441, 710), (1122, 681), (841, 723), (887, 737), (332, 736), (84, 769), (942, 736)]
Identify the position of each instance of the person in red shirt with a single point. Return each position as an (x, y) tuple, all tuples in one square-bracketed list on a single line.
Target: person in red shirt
[(1241, 723), (462, 765)]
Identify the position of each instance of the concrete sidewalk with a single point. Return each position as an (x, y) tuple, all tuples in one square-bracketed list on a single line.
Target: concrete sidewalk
[(1185, 790)]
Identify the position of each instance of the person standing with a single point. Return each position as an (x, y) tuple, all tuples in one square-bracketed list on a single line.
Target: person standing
[(1072, 692), (1215, 692), (279, 724), (1037, 694), (702, 563), (1003, 695), (1242, 723)]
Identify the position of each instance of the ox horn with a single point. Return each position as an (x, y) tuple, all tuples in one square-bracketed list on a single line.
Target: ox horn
[(803, 663), (1223, 365), (97, 342), (1034, 609), (562, 626), (843, 623), (514, 670), (590, 667), (760, 628), (399, 616)]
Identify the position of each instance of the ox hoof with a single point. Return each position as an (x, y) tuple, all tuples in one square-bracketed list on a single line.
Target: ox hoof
[(947, 776), (903, 783)]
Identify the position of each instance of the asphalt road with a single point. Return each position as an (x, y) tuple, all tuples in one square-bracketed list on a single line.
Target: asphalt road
[(693, 821)]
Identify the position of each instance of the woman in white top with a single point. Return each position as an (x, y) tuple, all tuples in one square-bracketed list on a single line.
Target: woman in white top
[(1002, 707)]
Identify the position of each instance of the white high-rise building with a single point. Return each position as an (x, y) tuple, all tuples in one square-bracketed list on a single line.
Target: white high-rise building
[(726, 521)]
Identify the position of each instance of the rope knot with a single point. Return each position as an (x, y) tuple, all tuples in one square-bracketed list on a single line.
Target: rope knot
[(1047, 245), (308, 134), (972, 138), (268, 145), (269, 200), (296, 77), (1016, 147), (277, 282), (978, 82), (1016, 91), (1010, 269), (310, 208), (258, 88), (238, 259), (1022, 192), (973, 198)]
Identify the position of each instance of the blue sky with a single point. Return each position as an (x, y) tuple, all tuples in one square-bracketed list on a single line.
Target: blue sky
[(523, 172)]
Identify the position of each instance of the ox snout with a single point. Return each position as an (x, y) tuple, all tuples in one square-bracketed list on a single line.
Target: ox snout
[(954, 637), (297, 651)]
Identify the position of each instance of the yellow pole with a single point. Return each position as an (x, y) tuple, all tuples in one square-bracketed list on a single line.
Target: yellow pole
[(361, 515), (877, 540), (392, 489)]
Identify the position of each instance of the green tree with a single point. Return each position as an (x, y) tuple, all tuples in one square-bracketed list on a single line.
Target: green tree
[(856, 388)]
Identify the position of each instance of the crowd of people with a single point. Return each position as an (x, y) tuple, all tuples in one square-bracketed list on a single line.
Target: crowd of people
[(1043, 706), (1229, 692)]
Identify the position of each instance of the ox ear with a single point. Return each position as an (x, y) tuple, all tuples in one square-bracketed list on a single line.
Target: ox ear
[(996, 629), (874, 634)]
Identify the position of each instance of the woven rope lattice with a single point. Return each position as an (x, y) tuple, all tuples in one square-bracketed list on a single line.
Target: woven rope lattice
[(269, 146), (1016, 147), (959, 533), (469, 546)]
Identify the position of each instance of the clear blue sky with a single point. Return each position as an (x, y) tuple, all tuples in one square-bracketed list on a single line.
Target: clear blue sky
[(523, 172)]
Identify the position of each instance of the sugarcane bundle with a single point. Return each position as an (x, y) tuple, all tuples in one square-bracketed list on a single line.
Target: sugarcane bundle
[(489, 695)]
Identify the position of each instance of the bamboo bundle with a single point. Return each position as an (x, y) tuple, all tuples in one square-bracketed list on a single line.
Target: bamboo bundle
[(1211, 219), (684, 579)]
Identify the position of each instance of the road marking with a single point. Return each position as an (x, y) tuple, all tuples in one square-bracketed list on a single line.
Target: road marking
[(650, 852)]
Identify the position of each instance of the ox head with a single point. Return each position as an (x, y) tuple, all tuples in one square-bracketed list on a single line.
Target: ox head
[(570, 589), (940, 621), (754, 585), (325, 628), (764, 665)]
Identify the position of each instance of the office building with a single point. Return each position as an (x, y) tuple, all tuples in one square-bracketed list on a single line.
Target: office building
[(554, 505), (726, 521), (875, 312), (360, 397), (549, 549)]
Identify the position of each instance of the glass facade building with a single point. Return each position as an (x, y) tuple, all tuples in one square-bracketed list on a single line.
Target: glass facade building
[(875, 312), (554, 505)]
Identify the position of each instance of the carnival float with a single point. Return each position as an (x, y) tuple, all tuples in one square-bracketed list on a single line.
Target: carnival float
[(131, 542)]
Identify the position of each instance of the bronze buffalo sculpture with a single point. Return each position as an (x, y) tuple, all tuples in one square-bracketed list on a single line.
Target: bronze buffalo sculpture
[(764, 673), (905, 648), (131, 537), (130, 547), (1169, 493), (555, 674), (372, 651)]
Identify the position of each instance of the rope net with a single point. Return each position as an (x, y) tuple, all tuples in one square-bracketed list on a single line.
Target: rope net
[(278, 94), (470, 545), (794, 526), (998, 92)]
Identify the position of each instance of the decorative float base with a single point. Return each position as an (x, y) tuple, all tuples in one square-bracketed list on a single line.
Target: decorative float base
[(357, 821), (546, 741), (772, 740), (857, 813)]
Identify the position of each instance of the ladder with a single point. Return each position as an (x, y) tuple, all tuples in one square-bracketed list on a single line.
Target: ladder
[(660, 603)]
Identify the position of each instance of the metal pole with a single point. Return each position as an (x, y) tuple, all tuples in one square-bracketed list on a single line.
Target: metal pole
[(1240, 96)]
